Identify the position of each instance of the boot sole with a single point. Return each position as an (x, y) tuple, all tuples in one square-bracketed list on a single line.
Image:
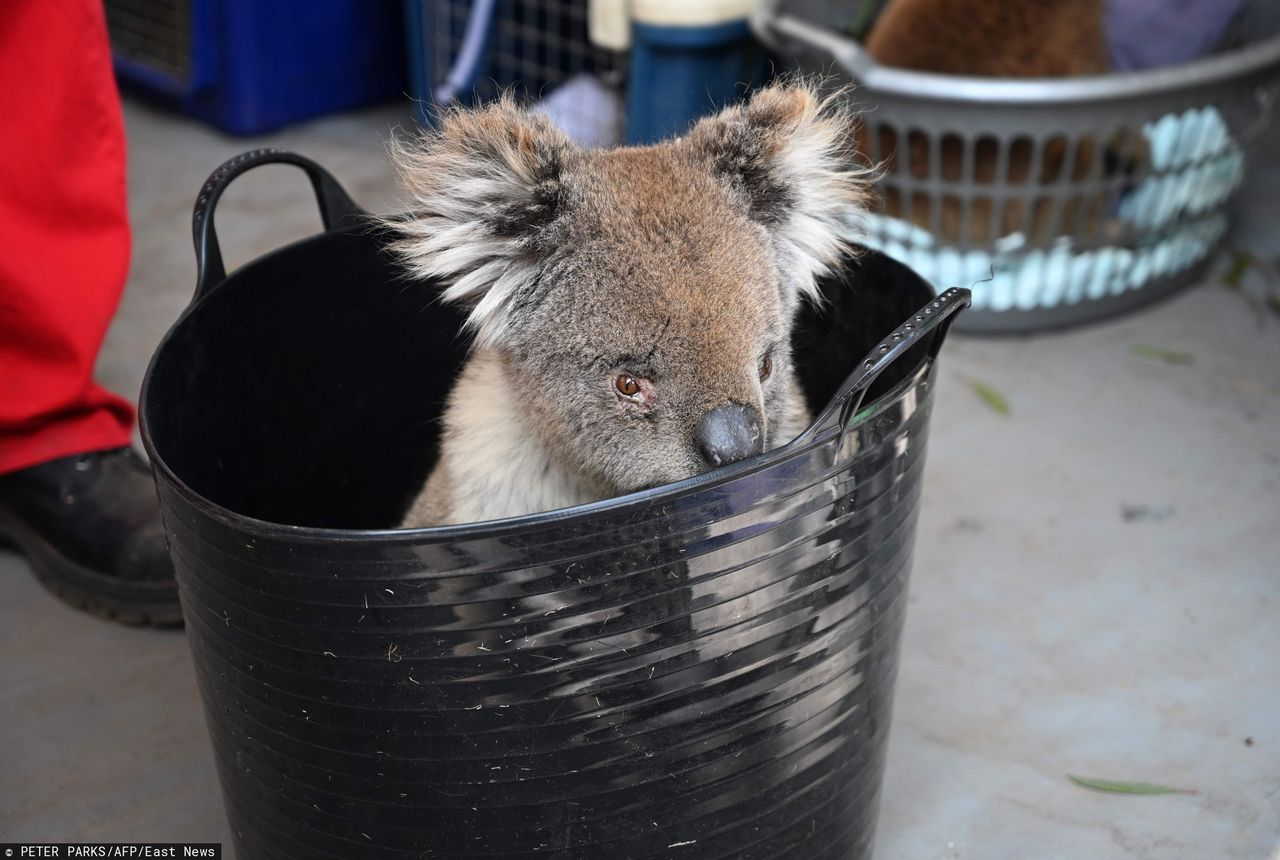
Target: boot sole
[(141, 604)]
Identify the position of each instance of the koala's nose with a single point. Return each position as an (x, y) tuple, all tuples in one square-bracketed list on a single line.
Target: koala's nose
[(730, 433)]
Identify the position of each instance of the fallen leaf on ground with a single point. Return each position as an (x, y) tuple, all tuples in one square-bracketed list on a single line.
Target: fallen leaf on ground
[(1140, 513), (991, 397), (1168, 356), (1240, 263), (1113, 787)]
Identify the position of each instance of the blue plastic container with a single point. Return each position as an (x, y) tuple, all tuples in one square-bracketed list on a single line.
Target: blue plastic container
[(679, 73), (249, 67)]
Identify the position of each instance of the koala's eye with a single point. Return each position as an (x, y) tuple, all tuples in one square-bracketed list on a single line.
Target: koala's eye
[(626, 385), (766, 367)]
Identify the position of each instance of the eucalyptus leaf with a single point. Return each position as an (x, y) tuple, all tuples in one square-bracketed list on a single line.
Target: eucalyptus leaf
[(1112, 787), (1168, 356), (1240, 263), (991, 397)]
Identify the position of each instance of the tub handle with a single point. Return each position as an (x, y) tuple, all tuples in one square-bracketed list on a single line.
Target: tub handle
[(934, 318), (337, 209)]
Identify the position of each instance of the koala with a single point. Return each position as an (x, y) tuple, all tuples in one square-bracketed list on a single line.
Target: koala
[(630, 308), (993, 38)]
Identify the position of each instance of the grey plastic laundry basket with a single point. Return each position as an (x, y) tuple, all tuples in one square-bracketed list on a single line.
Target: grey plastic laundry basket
[(1057, 200)]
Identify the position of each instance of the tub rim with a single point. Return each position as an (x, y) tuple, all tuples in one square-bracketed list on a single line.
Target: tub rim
[(808, 440)]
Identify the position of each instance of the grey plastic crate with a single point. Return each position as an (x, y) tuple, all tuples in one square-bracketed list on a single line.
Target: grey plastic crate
[(1057, 200)]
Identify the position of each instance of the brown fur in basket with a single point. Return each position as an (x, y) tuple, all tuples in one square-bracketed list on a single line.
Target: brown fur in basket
[(990, 38)]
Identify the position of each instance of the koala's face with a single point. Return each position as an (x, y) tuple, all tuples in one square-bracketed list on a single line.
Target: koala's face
[(659, 346), (641, 299)]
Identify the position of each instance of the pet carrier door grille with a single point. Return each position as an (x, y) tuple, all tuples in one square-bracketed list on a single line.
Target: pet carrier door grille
[(152, 33), (533, 45)]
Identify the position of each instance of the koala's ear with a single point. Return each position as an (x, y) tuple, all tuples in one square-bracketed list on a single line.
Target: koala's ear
[(789, 155), (487, 189)]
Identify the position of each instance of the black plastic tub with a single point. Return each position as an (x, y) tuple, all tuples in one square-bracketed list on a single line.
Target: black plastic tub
[(700, 670)]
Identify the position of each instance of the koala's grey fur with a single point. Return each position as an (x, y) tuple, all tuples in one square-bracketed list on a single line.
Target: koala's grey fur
[(681, 264)]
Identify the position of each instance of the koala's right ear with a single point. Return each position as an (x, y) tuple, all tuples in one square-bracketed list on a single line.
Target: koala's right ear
[(486, 188)]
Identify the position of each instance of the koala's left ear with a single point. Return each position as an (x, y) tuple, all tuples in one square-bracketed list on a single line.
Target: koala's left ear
[(789, 155)]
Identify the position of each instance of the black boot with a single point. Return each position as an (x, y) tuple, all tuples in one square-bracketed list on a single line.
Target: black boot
[(90, 526)]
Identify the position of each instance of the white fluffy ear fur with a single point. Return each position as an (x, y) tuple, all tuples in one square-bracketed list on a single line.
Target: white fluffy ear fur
[(485, 189), (790, 155)]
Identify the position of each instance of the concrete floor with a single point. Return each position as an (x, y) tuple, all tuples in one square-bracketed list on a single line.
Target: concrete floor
[(1096, 585)]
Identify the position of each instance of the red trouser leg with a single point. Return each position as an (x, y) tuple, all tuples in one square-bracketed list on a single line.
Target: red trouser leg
[(64, 231)]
